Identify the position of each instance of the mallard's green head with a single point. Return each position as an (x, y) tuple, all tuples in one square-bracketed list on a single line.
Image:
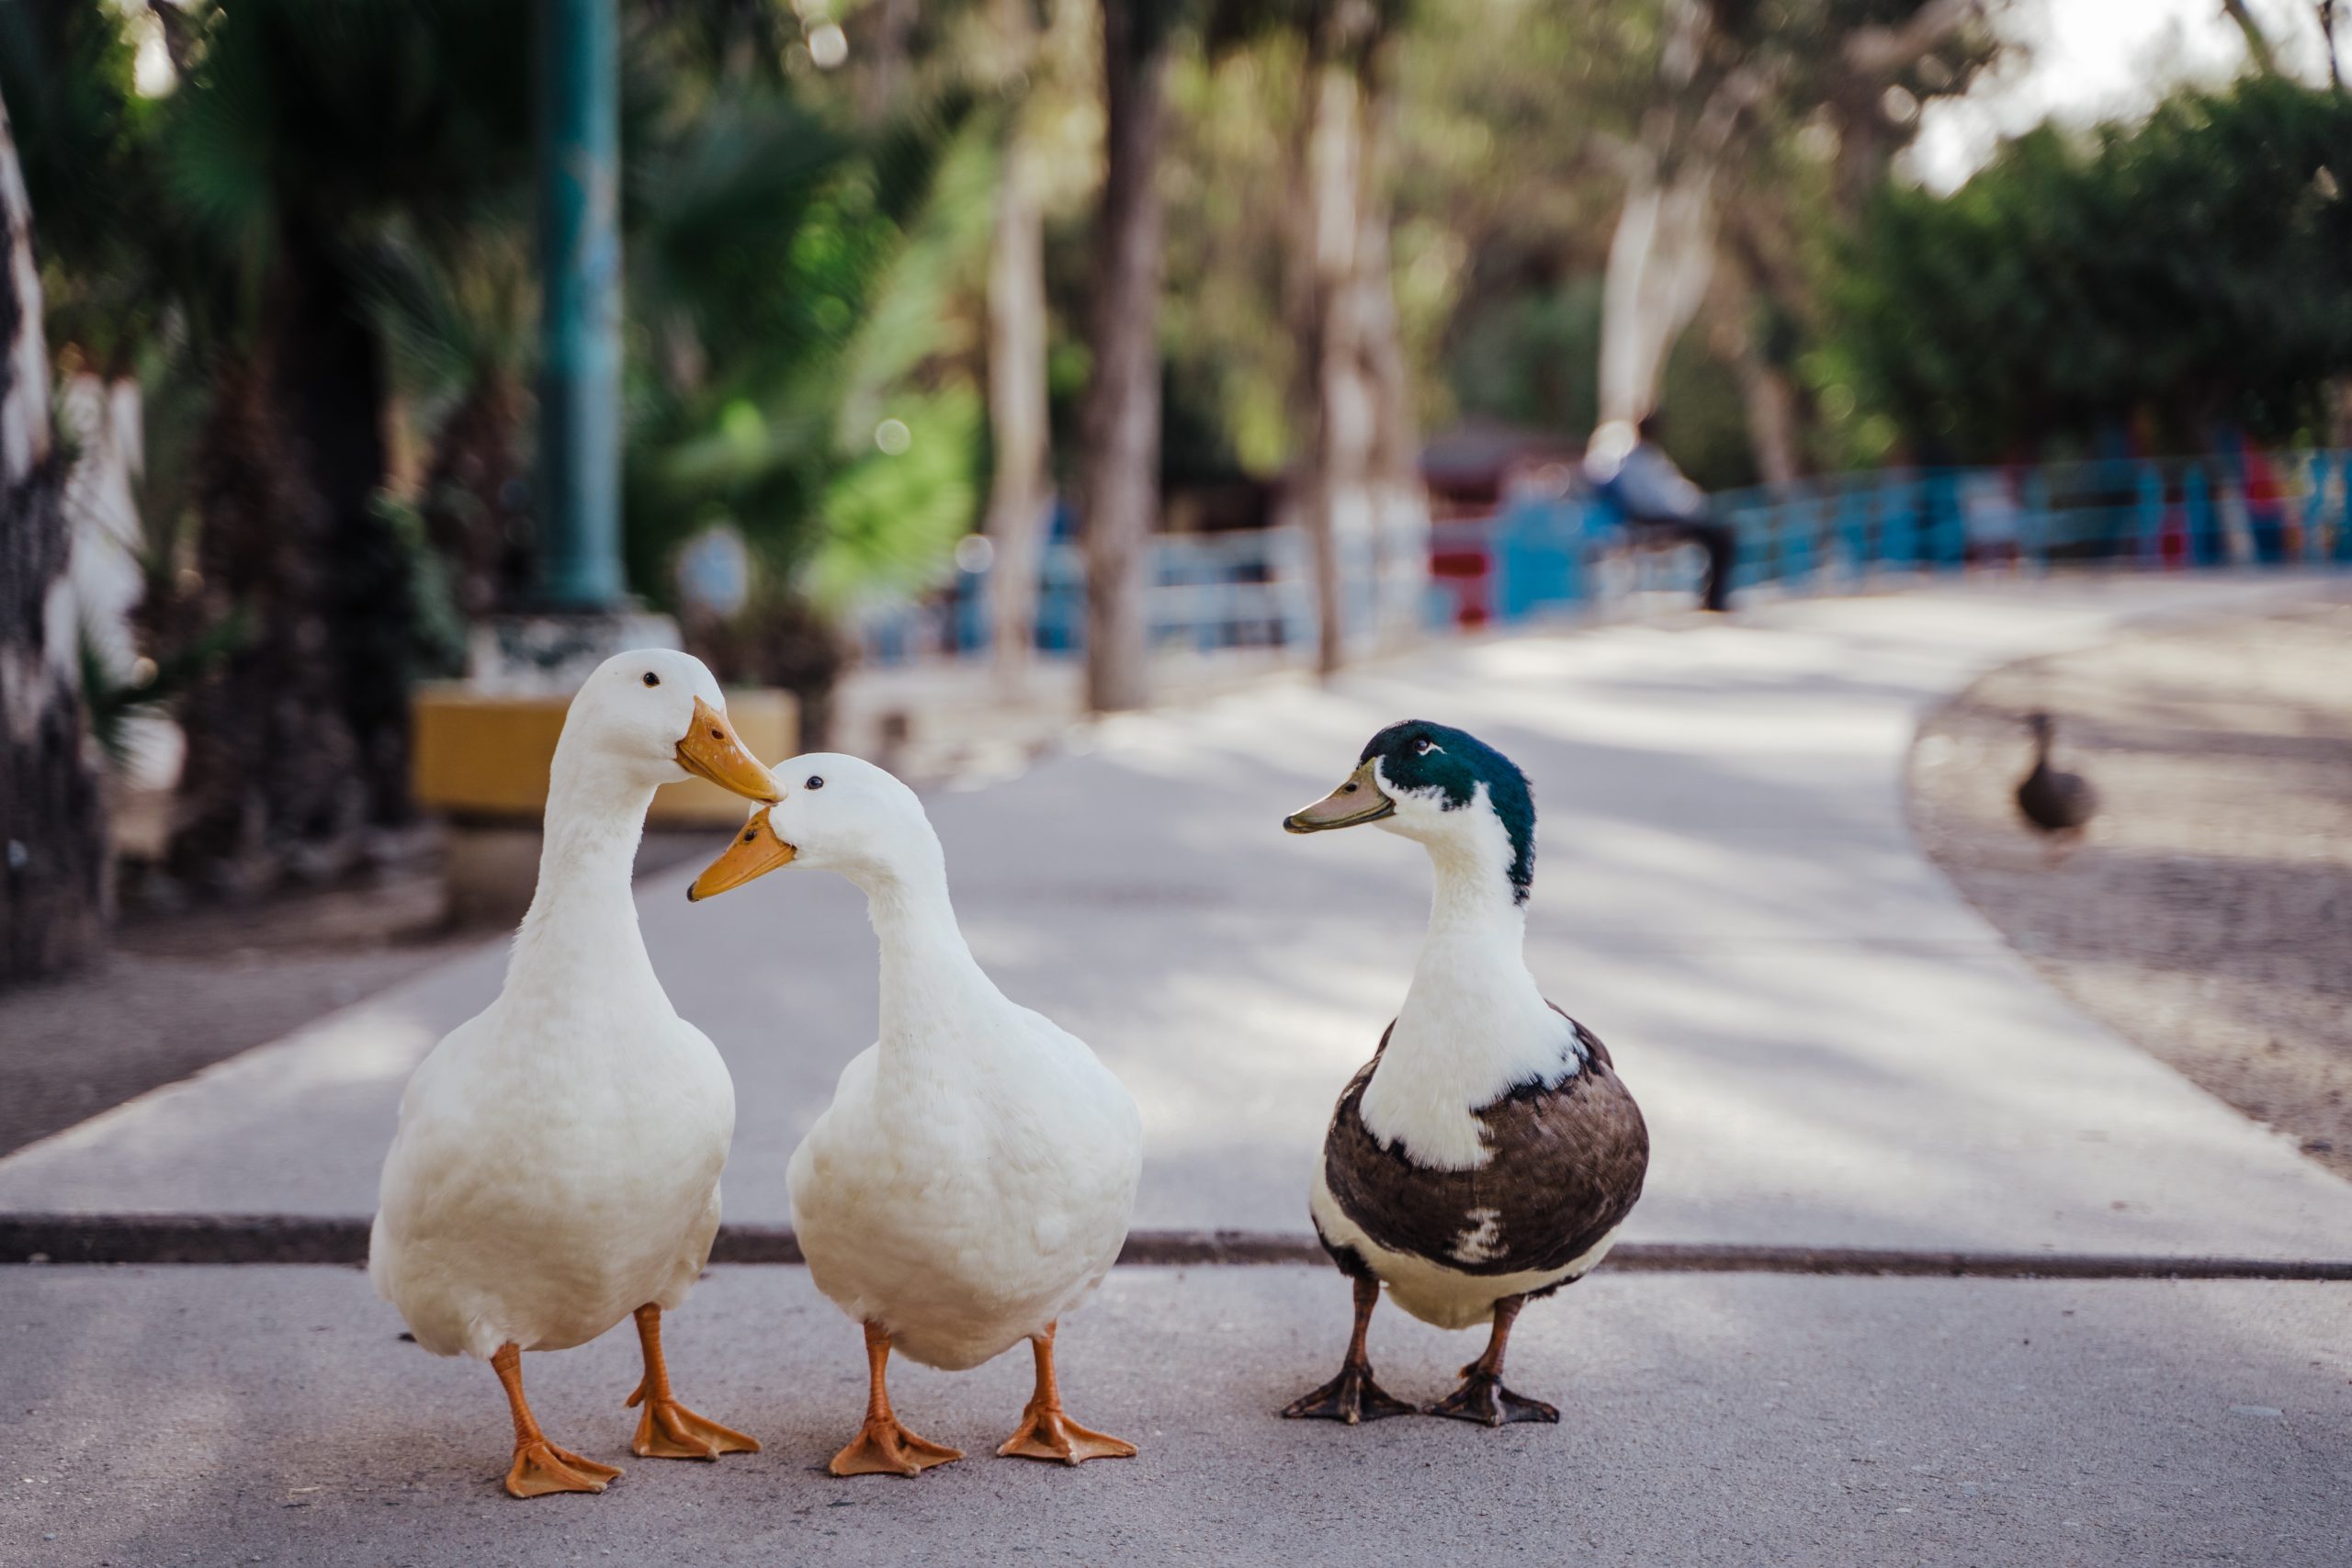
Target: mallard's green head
[(1413, 776)]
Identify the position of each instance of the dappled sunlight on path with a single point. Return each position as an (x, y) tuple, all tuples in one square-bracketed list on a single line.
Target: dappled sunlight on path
[(1831, 1047)]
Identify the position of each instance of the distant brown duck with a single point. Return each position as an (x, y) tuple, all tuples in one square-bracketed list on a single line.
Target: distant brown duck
[(2056, 803)]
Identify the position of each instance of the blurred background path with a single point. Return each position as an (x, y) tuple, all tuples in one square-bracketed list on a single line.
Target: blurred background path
[(1833, 1047)]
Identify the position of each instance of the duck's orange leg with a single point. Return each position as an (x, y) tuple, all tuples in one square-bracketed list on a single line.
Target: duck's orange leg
[(668, 1429), (539, 1466), (1047, 1432), (882, 1446)]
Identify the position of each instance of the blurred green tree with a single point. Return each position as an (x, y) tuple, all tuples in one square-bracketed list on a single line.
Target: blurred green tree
[(1761, 121), (2183, 272), (299, 129), (320, 235), (803, 306)]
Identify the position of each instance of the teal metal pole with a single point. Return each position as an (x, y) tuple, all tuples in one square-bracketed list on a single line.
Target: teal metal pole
[(579, 266)]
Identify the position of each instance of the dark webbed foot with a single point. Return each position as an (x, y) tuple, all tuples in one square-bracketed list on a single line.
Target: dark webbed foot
[(1483, 1398), (1351, 1397)]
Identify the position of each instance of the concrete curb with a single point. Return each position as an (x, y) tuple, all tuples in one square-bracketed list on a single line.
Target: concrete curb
[(298, 1239)]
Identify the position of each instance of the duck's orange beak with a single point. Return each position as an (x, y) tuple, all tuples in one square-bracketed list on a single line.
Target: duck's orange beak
[(755, 851), (711, 750)]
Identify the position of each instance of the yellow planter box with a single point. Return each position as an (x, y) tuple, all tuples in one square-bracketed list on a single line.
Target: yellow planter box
[(481, 754)]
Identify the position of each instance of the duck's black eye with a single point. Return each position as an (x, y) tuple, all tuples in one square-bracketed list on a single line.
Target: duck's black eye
[(651, 679), (815, 782), (1421, 747)]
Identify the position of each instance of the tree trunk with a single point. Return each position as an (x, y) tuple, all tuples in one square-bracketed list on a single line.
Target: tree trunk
[(1767, 393), (469, 499), (329, 381), (1338, 458), (2258, 40), (1662, 255), (53, 890), (271, 779), (889, 32), (1660, 260), (1120, 425), (1017, 397), (1400, 510), (1770, 401), (298, 742)]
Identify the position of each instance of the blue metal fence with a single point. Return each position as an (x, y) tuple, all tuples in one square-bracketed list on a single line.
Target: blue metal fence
[(1549, 556), (1207, 591), (1553, 556)]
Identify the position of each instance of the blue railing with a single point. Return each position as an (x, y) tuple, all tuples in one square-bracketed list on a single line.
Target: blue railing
[(1546, 556), (2214, 511), (1251, 589), (1555, 555)]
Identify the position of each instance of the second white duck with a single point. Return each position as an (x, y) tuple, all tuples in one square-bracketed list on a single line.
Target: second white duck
[(973, 1178)]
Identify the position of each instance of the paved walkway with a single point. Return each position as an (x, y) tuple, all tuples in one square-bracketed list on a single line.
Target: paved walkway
[(233, 1415), (1831, 1047)]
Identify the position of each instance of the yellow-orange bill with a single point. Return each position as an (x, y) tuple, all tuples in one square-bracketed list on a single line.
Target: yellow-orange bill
[(710, 751), (1360, 799), (755, 851)]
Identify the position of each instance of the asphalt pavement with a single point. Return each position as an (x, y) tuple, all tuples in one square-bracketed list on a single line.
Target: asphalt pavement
[(266, 1415)]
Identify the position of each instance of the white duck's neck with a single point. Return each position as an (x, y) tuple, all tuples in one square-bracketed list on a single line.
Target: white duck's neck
[(1473, 1025), (1472, 899), (931, 986), (581, 930), (1473, 966)]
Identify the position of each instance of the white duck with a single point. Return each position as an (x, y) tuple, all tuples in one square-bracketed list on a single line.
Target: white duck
[(557, 1163), (973, 1178)]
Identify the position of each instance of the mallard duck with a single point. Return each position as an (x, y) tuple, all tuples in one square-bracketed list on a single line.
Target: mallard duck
[(1488, 1153), (973, 1178), (2054, 803), (556, 1168)]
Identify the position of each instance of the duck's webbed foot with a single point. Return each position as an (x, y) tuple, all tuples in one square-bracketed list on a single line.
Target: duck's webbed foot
[(1046, 1431), (1351, 1397), (541, 1467), (1483, 1398), (668, 1429), (883, 1447), (1052, 1435)]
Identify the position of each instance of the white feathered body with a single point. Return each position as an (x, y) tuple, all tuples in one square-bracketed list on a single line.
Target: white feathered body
[(966, 1190), (556, 1168), (556, 1162)]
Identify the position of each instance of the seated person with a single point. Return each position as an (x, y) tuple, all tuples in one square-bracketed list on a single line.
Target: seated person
[(1659, 503)]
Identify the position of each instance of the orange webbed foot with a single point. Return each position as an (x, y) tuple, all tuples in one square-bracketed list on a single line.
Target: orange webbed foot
[(540, 1468), (883, 1447), (667, 1429), (1047, 1433)]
